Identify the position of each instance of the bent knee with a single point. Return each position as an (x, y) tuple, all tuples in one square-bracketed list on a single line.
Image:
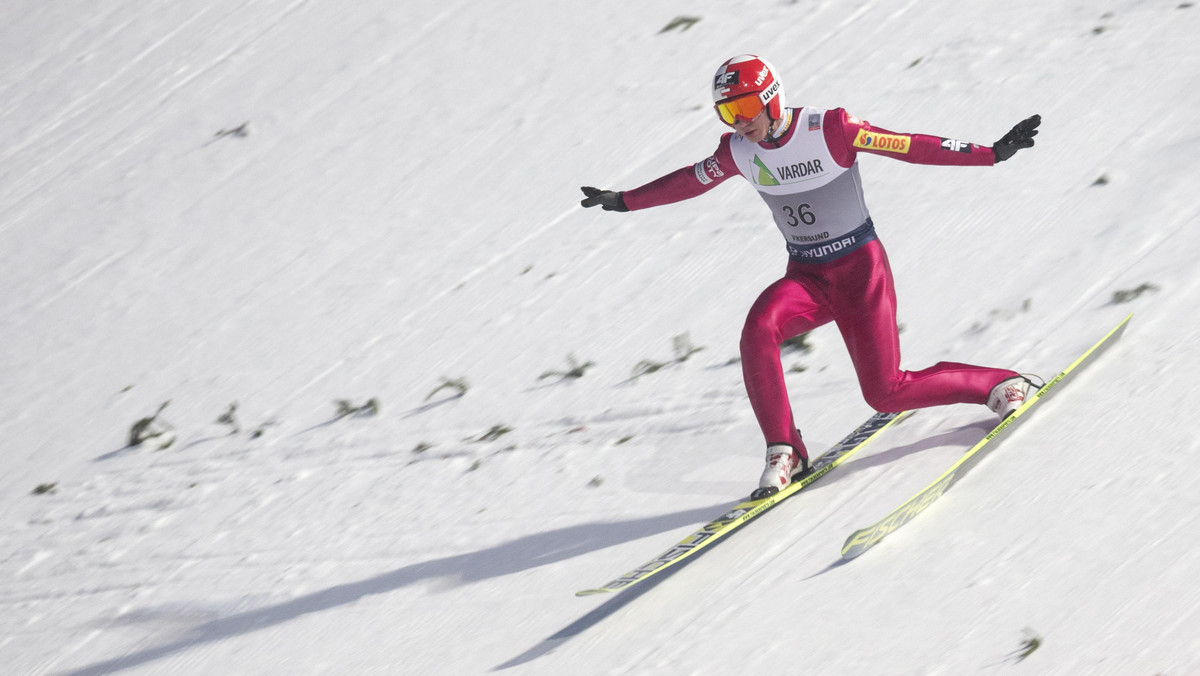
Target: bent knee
[(885, 405), (884, 400), (759, 331)]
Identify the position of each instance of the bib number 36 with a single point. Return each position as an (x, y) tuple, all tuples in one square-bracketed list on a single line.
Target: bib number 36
[(799, 214)]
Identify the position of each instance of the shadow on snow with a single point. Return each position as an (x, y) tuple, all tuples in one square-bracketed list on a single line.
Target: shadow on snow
[(513, 557)]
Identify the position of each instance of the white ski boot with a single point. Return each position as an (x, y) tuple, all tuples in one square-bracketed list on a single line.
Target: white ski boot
[(782, 461), (1009, 395)]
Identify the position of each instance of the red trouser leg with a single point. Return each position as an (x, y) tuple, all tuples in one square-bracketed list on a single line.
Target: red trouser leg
[(857, 292), (787, 308)]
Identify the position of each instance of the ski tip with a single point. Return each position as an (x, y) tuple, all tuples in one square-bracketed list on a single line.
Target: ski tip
[(1124, 322), (592, 592)]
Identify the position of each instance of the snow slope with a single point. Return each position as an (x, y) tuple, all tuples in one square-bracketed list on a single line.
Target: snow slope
[(282, 205)]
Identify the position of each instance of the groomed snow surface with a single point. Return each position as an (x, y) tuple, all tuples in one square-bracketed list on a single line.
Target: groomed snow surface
[(268, 215)]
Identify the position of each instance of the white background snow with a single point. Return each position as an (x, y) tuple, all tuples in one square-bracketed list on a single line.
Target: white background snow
[(398, 211)]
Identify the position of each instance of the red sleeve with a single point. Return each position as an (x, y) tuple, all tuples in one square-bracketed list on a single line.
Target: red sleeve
[(847, 136), (685, 182)]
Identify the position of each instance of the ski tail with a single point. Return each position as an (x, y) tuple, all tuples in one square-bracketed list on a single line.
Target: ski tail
[(750, 509)]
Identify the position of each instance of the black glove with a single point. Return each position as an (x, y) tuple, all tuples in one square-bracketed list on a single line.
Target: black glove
[(608, 199), (1020, 136)]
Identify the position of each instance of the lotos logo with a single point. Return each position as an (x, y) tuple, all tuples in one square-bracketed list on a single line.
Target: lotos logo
[(892, 143)]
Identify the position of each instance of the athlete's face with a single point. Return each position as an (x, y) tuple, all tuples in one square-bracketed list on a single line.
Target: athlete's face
[(753, 130)]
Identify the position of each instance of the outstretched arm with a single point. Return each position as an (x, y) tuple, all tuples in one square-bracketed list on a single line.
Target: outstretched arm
[(848, 136), (681, 184)]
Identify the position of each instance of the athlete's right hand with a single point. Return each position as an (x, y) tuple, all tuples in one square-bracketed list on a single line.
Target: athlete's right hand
[(609, 200)]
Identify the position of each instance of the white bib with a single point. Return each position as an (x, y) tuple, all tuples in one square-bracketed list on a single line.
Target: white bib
[(816, 203)]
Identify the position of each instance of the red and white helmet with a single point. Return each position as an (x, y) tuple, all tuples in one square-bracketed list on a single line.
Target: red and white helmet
[(740, 77)]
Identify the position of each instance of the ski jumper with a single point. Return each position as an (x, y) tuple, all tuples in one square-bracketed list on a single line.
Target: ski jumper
[(837, 269)]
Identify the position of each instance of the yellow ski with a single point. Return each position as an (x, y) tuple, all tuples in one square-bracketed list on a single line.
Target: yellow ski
[(865, 538), (744, 512)]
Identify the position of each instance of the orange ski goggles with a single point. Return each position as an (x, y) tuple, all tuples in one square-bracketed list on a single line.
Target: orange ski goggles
[(747, 107)]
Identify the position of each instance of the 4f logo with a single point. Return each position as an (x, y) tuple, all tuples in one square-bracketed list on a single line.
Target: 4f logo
[(725, 80), (713, 167), (956, 146), (708, 171)]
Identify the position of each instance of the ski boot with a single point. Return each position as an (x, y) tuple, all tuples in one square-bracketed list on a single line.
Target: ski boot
[(783, 464), (1010, 395)]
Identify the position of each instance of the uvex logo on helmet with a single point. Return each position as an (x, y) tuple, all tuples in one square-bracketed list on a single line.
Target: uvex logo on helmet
[(770, 92)]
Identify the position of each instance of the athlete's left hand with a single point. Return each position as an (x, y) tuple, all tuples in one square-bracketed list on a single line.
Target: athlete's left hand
[(1020, 136)]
